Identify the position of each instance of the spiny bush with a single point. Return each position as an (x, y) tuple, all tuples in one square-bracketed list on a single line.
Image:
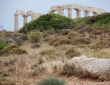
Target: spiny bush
[(100, 44), (67, 70), (42, 23), (47, 52), (35, 37), (72, 35), (65, 41), (7, 48), (53, 41), (80, 40), (17, 51), (12, 49), (51, 81), (72, 53)]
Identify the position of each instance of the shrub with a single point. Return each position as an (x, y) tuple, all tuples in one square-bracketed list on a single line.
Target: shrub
[(8, 48), (40, 61), (35, 37), (3, 45), (72, 35), (80, 40), (65, 31), (53, 41), (52, 81), (17, 51), (67, 70), (65, 41), (4, 74), (100, 44), (42, 23), (47, 52), (57, 43), (72, 53)]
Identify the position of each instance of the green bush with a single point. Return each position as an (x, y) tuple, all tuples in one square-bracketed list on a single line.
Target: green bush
[(3, 45), (12, 49), (72, 53), (51, 81), (43, 23), (35, 37)]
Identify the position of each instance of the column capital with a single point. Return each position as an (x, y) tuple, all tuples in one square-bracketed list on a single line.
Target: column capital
[(15, 14), (24, 15), (69, 8)]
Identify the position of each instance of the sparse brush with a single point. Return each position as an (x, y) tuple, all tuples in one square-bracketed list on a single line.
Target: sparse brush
[(17, 51), (47, 52), (72, 35), (67, 70), (53, 41), (51, 81), (72, 53), (80, 40)]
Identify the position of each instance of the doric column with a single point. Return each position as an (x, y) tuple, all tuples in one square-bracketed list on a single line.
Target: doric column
[(25, 19), (60, 10), (86, 13), (78, 13), (69, 12), (95, 13), (15, 22)]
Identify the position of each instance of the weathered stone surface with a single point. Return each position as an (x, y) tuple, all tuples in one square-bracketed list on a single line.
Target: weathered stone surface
[(98, 68)]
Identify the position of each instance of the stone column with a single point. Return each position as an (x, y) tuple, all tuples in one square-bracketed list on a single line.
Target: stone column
[(25, 19), (86, 13), (95, 13), (60, 10), (69, 12), (15, 22), (78, 13)]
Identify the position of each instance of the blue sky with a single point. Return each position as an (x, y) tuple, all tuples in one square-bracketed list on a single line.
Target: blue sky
[(9, 7)]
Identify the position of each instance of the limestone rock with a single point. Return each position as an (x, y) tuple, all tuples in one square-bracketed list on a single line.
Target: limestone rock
[(98, 68)]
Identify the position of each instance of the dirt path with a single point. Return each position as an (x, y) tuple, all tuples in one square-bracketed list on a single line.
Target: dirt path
[(74, 80)]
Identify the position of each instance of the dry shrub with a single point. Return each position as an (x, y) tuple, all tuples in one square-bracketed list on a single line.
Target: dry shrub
[(72, 35), (72, 53), (100, 44), (17, 51), (53, 41), (67, 70), (47, 52), (80, 40)]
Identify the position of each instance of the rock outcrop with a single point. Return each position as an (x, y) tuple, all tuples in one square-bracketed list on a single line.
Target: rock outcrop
[(98, 68)]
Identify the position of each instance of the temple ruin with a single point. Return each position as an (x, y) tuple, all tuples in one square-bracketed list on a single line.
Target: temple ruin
[(31, 13), (78, 8), (60, 10)]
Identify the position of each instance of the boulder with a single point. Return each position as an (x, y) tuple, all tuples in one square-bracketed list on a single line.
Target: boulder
[(98, 68)]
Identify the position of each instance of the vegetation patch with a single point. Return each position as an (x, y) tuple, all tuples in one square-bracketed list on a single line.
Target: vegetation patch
[(51, 81)]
